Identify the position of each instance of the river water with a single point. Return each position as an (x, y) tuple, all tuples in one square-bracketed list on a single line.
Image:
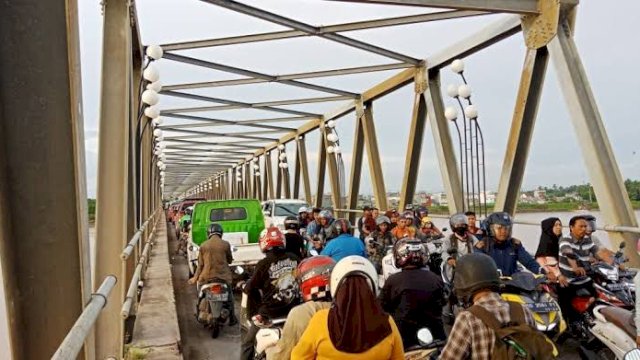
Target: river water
[(529, 234)]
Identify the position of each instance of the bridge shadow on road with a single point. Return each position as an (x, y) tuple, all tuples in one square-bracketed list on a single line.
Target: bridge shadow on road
[(197, 343)]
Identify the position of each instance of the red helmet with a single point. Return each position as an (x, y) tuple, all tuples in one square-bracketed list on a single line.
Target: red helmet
[(271, 238), (313, 275)]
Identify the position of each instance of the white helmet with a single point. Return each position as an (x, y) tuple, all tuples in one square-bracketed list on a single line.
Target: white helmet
[(303, 209), (353, 265)]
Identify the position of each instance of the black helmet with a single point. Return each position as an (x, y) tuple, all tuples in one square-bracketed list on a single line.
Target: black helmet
[(338, 227), (421, 212), (497, 218), (409, 252), (215, 229), (475, 272), (291, 223)]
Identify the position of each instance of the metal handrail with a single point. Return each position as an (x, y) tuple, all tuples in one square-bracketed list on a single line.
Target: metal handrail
[(73, 342), (608, 228), (126, 252)]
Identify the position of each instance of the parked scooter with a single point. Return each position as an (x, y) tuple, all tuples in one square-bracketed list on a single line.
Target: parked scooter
[(527, 289), (427, 349)]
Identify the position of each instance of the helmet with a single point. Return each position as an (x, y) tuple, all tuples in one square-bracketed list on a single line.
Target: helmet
[(409, 252), (591, 223), (291, 223), (341, 226), (325, 214), (271, 238), (382, 219), (407, 215), (215, 229), (426, 220), (350, 266), (421, 211), (497, 219), (303, 209), (313, 275), (189, 210), (459, 223), (474, 272)]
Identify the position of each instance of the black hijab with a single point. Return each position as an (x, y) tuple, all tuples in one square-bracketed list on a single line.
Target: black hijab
[(548, 245)]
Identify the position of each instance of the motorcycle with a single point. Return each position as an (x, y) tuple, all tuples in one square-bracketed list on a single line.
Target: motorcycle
[(216, 294), (614, 286), (267, 336), (428, 347), (529, 290), (615, 330)]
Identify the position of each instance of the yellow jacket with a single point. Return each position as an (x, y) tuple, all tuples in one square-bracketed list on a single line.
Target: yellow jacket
[(316, 343)]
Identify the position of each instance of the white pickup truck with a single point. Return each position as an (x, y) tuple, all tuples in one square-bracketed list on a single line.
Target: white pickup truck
[(275, 211)]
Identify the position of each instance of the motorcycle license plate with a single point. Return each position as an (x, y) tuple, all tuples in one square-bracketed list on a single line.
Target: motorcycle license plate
[(543, 307), (217, 297)]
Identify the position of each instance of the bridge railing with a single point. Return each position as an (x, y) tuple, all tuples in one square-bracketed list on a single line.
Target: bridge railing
[(73, 342), (516, 220)]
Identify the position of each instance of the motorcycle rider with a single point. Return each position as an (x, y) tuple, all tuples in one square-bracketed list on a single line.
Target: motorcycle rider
[(313, 276), (428, 230), (213, 263), (476, 283), (294, 243), (418, 214), (461, 240), (313, 227), (343, 242), (367, 223), (473, 229), (185, 219), (378, 241), (325, 219), (576, 252), (272, 285), (303, 217), (405, 227), (505, 250), (414, 296)]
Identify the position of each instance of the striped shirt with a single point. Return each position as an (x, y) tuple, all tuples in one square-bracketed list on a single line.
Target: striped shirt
[(582, 250)]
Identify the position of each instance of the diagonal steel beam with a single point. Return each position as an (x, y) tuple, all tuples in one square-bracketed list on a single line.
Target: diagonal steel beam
[(304, 75), (353, 26), (240, 136), (232, 102), (243, 122), (266, 103), (225, 122), (311, 30), (254, 74), (509, 6)]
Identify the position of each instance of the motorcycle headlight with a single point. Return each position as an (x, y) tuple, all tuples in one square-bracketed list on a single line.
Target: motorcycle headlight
[(610, 274), (542, 327)]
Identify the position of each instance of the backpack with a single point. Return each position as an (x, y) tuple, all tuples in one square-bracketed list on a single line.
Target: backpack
[(515, 339)]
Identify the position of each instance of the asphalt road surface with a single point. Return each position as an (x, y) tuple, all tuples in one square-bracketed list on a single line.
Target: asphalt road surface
[(197, 343)]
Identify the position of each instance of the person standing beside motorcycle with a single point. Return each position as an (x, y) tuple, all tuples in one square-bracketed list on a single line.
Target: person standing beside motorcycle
[(378, 241), (294, 243), (313, 276), (461, 240), (343, 243), (505, 250), (414, 297), (575, 253), (473, 337), (213, 263), (548, 247), (355, 326), (272, 286)]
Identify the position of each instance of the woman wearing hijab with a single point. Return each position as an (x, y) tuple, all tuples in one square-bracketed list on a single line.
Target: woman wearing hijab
[(355, 327), (548, 250)]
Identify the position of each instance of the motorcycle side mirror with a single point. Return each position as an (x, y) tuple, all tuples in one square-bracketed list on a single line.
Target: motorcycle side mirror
[(239, 270), (445, 229), (425, 337), (632, 355)]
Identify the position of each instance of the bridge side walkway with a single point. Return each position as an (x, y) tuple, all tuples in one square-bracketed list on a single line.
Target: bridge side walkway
[(156, 335)]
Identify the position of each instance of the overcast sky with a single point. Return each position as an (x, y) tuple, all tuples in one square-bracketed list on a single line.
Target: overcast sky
[(606, 38)]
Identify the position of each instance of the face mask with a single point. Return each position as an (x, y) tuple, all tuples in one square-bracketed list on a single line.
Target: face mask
[(460, 231)]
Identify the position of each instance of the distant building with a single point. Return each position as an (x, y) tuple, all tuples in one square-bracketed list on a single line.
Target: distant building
[(440, 199)]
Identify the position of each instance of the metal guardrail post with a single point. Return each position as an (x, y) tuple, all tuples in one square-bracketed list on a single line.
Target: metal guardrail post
[(73, 342)]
